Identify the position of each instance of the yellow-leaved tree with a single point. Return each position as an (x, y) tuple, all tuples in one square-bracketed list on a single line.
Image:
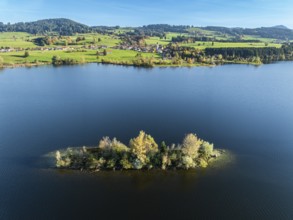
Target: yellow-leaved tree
[(190, 150), (142, 146)]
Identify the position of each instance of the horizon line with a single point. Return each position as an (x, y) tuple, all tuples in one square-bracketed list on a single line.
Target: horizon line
[(126, 26)]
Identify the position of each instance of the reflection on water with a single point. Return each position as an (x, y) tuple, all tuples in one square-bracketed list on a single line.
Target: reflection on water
[(144, 179)]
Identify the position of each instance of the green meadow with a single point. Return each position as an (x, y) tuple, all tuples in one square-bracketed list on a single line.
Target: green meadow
[(25, 41), (89, 56)]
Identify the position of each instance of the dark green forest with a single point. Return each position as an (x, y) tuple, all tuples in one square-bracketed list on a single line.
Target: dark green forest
[(61, 26)]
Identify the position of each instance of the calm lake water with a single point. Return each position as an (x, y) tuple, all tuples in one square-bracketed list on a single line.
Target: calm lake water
[(245, 109)]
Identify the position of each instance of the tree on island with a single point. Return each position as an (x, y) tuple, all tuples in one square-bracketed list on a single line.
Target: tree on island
[(190, 148), (143, 147)]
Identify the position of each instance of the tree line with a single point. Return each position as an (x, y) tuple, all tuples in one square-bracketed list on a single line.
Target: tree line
[(191, 55), (265, 54)]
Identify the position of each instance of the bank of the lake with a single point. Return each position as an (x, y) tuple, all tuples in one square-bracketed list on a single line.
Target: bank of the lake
[(115, 57), (37, 63)]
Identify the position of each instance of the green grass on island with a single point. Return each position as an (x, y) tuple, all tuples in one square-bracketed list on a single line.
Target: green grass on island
[(142, 153)]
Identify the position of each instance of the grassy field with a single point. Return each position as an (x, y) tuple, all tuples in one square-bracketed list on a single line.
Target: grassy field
[(11, 35), (12, 39), (155, 40), (265, 42), (16, 39), (251, 37), (107, 40), (88, 57), (24, 40), (203, 45)]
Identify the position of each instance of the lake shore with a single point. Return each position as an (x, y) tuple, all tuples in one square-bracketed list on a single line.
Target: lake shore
[(18, 65)]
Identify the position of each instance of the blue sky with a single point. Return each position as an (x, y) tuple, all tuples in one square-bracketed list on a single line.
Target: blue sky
[(231, 13)]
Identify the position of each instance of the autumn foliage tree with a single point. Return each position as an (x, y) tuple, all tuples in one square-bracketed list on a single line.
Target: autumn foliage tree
[(142, 147), (190, 147)]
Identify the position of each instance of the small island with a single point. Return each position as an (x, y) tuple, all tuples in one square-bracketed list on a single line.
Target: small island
[(142, 153)]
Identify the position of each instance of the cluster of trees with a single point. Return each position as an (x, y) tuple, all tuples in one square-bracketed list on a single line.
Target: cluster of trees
[(141, 153), (137, 62), (101, 53), (265, 55), (80, 38), (57, 61), (132, 40), (191, 55), (57, 40), (141, 61), (104, 29), (160, 30), (116, 62)]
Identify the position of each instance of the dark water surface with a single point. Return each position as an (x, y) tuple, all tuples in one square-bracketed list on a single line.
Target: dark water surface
[(245, 109)]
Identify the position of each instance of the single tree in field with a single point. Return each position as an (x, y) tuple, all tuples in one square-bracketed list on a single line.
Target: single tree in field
[(138, 55), (1, 62), (26, 54)]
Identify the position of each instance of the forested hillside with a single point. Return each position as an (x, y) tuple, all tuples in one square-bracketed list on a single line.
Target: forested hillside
[(61, 26)]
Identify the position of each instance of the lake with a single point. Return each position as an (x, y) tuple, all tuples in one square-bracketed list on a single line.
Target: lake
[(245, 109)]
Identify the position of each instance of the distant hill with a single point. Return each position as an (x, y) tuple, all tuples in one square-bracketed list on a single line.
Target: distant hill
[(265, 32), (60, 25), (281, 27), (64, 26)]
